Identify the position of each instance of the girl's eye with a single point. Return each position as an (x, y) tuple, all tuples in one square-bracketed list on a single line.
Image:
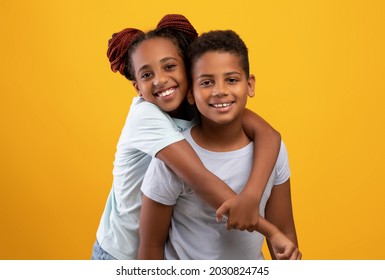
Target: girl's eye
[(145, 75), (170, 66)]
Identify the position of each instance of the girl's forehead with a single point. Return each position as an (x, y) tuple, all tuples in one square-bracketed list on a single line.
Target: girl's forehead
[(154, 50), (155, 47), (159, 43)]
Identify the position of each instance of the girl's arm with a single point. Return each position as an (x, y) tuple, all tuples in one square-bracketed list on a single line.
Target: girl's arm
[(244, 209), (153, 229), (186, 164), (279, 212)]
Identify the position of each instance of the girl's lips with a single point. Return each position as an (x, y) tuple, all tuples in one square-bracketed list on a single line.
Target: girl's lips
[(166, 92)]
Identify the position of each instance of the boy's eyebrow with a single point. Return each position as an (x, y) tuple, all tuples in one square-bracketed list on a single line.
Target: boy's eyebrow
[(225, 74), (205, 76)]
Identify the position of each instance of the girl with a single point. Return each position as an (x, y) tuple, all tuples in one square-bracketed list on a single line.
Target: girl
[(155, 62)]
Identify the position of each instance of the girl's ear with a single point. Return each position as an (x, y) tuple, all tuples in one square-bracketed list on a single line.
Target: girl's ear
[(251, 86), (136, 87), (190, 97)]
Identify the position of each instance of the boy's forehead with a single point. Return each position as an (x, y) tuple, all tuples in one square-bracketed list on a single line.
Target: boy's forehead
[(217, 61)]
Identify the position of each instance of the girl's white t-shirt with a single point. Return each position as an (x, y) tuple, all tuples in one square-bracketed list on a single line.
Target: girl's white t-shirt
[(147, 131)]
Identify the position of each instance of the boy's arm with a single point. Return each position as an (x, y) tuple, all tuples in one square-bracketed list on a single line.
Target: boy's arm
[(243, 210), (279, 212), (153, 229), (280, 246)]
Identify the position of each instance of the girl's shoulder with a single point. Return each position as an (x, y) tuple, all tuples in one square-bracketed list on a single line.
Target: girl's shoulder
[(141, 108)]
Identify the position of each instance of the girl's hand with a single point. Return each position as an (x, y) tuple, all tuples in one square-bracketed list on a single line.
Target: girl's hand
[(242, 211)]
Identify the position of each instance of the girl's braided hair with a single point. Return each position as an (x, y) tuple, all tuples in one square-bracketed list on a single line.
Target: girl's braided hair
[(174, 27)]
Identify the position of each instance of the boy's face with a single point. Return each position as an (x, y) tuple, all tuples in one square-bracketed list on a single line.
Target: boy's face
[(160, 73), (220, 87)]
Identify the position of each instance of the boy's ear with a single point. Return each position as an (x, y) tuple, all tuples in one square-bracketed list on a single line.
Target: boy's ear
[(251, 86), (136, 87), (190, 97)]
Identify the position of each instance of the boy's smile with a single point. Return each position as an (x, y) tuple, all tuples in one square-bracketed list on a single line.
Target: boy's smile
[(220, 86)]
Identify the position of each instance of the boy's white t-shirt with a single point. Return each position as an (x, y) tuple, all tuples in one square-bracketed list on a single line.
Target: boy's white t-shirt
[(194, 232), (147, 131)]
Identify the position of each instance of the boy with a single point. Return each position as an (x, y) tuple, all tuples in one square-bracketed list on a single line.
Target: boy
[(221, 84)]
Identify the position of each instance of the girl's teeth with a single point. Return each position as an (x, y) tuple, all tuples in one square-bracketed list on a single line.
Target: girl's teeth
[(167, 92)]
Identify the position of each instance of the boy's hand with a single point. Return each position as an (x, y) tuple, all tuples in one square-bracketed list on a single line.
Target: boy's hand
[(242, 211), (284, 248)]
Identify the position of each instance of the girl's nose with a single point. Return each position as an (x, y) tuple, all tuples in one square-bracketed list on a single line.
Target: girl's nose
[(160, 80)]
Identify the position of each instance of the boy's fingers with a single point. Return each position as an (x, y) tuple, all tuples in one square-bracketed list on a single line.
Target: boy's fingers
[(285, 255)]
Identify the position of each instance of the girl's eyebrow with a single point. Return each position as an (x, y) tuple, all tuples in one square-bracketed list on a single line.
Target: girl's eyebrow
[(163, 60), (168, 58), (144, 67)]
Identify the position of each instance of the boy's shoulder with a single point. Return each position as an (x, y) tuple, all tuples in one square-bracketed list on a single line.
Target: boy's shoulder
[(282, 168)]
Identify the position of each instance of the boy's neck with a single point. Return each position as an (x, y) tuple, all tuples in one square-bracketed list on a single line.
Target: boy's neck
[(184, 112), (220, 138)]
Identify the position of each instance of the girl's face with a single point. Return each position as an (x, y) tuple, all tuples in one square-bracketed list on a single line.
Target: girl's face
[(160, 74)]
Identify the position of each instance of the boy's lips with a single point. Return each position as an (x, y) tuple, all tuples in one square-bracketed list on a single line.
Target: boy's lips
[(222, 105), (166, 92)]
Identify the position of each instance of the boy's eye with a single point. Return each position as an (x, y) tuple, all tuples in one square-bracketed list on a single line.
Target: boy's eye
[(206, 83), (232, 80)]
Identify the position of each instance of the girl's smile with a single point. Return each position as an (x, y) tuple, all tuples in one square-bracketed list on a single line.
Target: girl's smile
[(160, 74)]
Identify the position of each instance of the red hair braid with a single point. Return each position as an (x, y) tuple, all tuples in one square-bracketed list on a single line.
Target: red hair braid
[(118, 46), (178, 22)]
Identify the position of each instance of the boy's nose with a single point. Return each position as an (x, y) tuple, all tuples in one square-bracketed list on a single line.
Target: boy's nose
[(220, 91)]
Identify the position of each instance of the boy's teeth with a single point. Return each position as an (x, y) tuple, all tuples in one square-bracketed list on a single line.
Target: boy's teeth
[(167, 92), (221, 105)]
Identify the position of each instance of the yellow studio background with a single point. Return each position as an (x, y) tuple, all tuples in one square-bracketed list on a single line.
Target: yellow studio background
[(320, 69)]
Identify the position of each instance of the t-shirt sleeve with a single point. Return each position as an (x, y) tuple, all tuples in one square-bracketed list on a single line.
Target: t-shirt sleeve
[(151, 129), (282, 167), (161, 184)]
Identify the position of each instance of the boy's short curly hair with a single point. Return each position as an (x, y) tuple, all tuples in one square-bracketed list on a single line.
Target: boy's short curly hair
[(220, 41)]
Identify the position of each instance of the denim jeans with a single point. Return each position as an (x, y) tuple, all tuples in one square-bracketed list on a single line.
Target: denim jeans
[(99, 254)]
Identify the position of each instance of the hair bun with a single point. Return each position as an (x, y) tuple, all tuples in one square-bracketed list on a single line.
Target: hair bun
[(118, 46), (178, 22)]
